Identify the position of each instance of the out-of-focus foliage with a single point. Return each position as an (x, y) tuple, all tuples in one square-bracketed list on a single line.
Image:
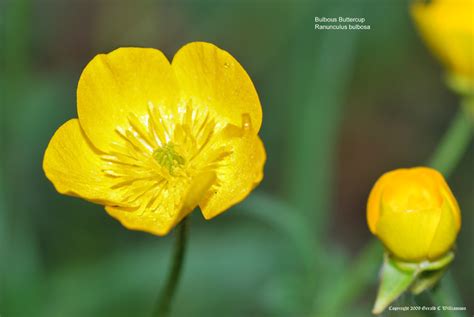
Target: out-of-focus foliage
[(340, 108)]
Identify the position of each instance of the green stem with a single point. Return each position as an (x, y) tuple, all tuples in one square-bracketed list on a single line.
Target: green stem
[(446, 294), (163, 306), (447, 155), (349, 283), (454, 142), (314, 124)]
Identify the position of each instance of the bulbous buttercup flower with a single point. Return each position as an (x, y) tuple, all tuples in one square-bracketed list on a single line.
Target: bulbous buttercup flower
[(156, 139), (448, 29), (414, 213)]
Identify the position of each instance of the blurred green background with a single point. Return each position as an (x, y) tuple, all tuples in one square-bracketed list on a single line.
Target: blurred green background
[(340, 108)]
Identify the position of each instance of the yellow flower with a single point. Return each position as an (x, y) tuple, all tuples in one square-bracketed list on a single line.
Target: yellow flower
[(447, 27), (155, 139), (414, 213)]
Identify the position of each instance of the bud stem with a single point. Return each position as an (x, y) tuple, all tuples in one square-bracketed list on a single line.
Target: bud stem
[(454, 142)]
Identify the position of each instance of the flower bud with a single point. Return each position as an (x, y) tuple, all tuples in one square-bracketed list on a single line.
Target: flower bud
[(414, 213), (448, 29)]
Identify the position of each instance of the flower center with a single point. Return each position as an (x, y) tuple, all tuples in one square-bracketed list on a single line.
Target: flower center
[(157, 154), (167, 157)]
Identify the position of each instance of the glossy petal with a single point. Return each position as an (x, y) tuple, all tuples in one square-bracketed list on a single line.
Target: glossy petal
[(114, 85), (75, 168), (238, 173), (413, 212), (408, 235), (211, 77), (373, 204), (452, 203), (159, 214), (445, 233), (155, 140)]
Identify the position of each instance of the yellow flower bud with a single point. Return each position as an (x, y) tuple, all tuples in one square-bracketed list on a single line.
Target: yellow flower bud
[(447, 27), (414, 213)]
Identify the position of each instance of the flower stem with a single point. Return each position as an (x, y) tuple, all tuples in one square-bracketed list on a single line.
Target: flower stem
[(454, 142), (447, 294), (447, 155), (163, 306)]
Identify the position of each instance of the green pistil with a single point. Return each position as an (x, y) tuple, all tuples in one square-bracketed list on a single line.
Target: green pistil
[(167, 157)]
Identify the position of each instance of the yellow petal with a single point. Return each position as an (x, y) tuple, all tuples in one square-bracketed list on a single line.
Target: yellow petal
[(127, 80), (161, 213), (238, 173), (75, 168), (212, 78), (408, 233), (451, 201), (448, 28), (445, 233), (374, 204), (199, 187)]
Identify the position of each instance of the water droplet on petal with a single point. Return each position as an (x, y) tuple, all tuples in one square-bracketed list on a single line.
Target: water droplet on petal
[(246, 122)]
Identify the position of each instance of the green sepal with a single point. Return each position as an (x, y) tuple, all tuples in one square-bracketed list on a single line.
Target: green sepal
[(398, 276), (432, 272), (426, 280), (425, 265), (394, 281)]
